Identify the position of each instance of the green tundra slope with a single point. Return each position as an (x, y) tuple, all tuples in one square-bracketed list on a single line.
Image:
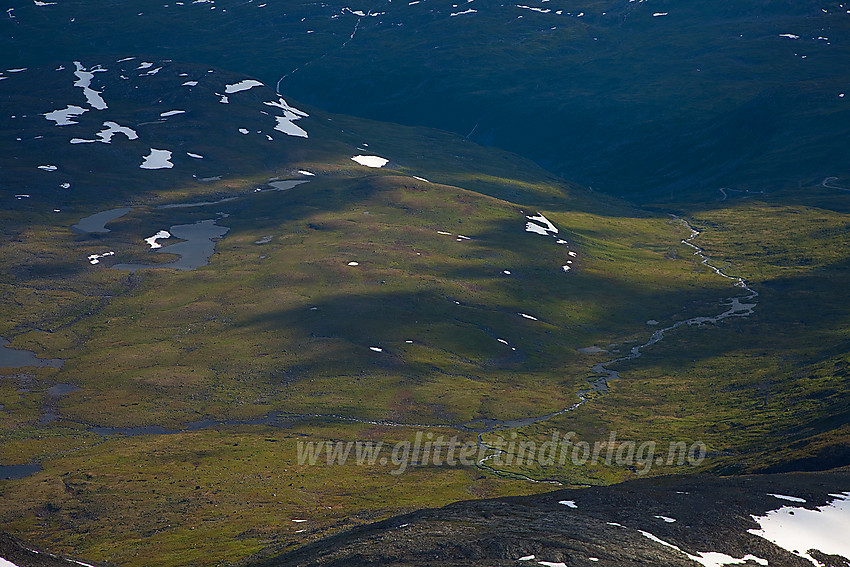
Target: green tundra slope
[(371, 304), (458, 290), (240, 359)]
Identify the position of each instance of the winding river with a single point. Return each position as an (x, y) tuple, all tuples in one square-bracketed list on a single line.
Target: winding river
[(829, 183), (738, 306)]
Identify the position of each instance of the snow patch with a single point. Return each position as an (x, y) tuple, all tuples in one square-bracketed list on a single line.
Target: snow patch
[(152, 240), (95, 258), (540, 225), (533, 9), (290, 115), (799, 529), (285, 125), (283, 105), (370, 161), (109, 130), (789, 498), (84, 78), (64, 116), (242, 86), (157, 159), (708, 558)]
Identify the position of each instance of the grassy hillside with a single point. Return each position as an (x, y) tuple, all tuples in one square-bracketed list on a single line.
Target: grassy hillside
[(233, 358), (765, 393), (460, 290)]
